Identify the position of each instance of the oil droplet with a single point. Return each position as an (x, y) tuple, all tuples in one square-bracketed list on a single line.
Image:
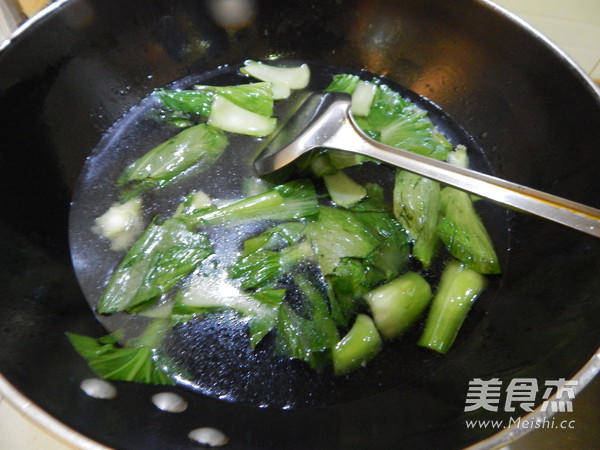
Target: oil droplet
[(208, 436), (97, 388), (169, 402)]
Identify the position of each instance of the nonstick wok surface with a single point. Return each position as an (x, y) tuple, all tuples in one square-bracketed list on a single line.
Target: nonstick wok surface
[(70, 75)]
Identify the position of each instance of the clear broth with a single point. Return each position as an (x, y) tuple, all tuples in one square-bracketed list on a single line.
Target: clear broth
[(213, 350)]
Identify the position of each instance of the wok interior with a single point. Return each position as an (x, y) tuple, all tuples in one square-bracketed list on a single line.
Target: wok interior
[(534, 116), (211, 351)]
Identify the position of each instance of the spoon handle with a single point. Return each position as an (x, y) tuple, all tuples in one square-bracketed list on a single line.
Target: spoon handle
[(349, 137)]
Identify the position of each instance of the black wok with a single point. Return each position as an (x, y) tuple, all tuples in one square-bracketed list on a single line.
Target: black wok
[(67, 77)]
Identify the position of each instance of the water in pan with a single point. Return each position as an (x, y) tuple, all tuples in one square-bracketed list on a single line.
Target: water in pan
[(213, 350)]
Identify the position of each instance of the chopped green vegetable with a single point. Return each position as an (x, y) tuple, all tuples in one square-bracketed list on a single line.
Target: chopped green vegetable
[(414, 131), (374, 201), (359, 346), (164, 254), (228, 116), (458, 289), (339, 233), (396, 306), (416, 205), (262, 269), (255, 97), (321, 165), (391, 118), (187, 101), (388, 105), (309, 339), (312, 338), (322, 253), (343, 83), (134, 362), (197, 145), (340, 159), (352, 278), (260, 326), (255, 185), (294, 200), (275, 238), (209, 293), (462, 231), (292, 77), (362, 98), (356, 251), (392, 254), (343, 190)]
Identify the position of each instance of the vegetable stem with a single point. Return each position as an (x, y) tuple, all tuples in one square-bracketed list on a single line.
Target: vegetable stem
[(459, 287)]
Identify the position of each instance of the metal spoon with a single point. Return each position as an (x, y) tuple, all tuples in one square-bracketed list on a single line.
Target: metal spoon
[(325, 121)]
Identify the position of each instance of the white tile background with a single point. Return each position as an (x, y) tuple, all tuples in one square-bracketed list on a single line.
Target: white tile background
[(573, 25)]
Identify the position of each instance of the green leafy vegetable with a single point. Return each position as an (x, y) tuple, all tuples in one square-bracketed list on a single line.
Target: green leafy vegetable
[(339, 233), (359, 346), (414, 131), (352, 278), (254, 97), (296, 77), (362, 98), (374, 201), (197, 145), (355, 251), (398, 304), (343, 190), (341, 160), (294, 200), (416, 205), (312, 338), (228, 116), (462, 231), (262, 269), (326, 253), (275, 238), (459, 288), (343, 82), (134, 362), (209, 293), (391, 118), (165, 253), (186, 101)]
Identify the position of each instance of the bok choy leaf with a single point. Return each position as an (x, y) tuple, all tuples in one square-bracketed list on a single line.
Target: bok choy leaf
[(164, 254), (135, 362), (197, 145)]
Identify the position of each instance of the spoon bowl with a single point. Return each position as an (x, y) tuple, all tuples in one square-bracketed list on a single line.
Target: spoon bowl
[(324, 120)]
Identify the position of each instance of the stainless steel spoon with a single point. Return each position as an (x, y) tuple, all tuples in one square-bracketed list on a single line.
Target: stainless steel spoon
[(324, 120)]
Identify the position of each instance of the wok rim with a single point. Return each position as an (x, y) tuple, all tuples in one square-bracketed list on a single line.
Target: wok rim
[(44, 420), (590, 370), (66, 434)]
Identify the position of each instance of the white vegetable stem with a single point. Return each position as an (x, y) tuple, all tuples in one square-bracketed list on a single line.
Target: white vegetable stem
[(344, 191), (292, 77), (230, 117), (362, 97), (280, 91)]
